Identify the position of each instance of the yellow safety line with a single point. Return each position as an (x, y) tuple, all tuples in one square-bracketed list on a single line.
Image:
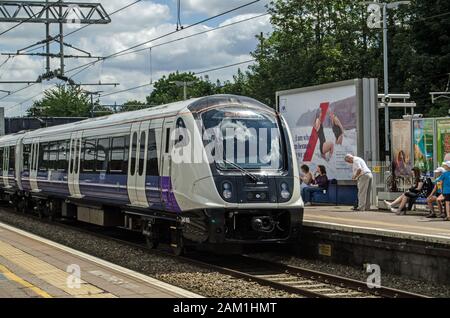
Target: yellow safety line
[(45, 271), (366, 222), (13, 277)]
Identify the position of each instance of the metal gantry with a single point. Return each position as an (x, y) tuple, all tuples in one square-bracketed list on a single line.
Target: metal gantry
[(47, 12), (53, 12)]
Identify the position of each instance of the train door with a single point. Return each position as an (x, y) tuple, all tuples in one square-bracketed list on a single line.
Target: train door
[(166, 147), (19, 162), (34, 165), (74, 164), (136, 181), (166, 162), (6, 167)]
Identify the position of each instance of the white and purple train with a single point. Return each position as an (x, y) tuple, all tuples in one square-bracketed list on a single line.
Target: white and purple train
[(151, 171)]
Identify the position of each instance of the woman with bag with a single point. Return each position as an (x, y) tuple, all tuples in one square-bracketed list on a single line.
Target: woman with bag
[(411, 195)]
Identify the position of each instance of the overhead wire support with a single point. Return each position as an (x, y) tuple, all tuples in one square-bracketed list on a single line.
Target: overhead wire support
[(179, 25), (53, 12), (51, 39)]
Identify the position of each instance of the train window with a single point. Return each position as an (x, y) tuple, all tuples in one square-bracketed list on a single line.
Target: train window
[(102, 155), (53, 156), (133, 154), (142, 153), (43, 151), (77, 149), (152, 155), (63, 156), (117, 155), (1, 160), (167, 140), (12, 158), (26, 157), (180, 132), (71, 156), (89, 146)]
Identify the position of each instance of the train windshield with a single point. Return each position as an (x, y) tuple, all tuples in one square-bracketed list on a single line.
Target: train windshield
[(239, 138)]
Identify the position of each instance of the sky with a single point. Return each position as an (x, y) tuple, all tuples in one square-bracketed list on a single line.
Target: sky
[(139, 23)]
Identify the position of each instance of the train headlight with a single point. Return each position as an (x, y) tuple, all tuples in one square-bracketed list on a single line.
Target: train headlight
[(285, 194), (227, 191)]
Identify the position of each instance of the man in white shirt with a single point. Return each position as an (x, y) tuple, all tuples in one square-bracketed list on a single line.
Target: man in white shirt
[(364, 176)]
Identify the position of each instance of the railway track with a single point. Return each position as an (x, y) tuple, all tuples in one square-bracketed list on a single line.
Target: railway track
[(295, 280)]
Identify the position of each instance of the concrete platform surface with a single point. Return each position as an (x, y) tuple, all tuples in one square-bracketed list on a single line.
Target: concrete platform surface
[(33, 267), (413, 226)]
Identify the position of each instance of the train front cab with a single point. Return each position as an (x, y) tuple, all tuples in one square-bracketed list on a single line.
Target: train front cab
[(260, 198)]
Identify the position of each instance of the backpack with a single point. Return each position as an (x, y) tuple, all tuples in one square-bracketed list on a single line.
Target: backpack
[(428, 187)]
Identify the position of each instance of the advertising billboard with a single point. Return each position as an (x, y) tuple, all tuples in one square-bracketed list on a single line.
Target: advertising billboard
[(443, 140), (423, 132), (323, 122), (401, 147)]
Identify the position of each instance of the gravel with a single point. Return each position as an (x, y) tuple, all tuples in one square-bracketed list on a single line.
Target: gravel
[(387, 280), (195, 279)]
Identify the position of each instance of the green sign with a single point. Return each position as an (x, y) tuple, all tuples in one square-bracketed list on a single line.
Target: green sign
[(424, 144), (443, 140)]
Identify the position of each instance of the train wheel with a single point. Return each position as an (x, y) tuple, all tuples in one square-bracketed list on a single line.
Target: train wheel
[(152, 243), (151, 235), (177, 241), (22, 206), (178, 249)]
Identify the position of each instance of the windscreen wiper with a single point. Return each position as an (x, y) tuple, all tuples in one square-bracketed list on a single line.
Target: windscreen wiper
[(244, 171)]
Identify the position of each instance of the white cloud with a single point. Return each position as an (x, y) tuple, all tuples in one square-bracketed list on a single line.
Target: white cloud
[(211, 7), (137, 24)]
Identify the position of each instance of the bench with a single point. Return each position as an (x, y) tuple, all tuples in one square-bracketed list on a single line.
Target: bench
[(338, 193)]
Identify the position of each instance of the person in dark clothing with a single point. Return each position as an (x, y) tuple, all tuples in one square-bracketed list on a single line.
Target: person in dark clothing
[(411, 195), (325, 147), (320, 185)]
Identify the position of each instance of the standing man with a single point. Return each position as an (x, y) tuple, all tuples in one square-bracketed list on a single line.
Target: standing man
[(364, 176)]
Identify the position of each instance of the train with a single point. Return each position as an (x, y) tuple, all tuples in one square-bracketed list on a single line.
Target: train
[(216, 173)]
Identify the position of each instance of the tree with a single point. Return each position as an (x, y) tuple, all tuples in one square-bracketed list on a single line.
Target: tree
[(313, 42), (239, 85), (165, 91), (133, 105), (62, 101)]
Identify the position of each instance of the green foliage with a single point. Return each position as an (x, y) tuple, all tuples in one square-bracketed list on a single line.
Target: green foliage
[(165, 91), (62, 101), (132, 105)]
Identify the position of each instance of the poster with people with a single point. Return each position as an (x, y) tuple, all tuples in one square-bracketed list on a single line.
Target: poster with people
[(424, 144), (443, 140), (323, 123), (401, 147)]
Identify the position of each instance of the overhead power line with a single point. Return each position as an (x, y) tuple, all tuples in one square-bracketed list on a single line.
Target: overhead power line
[(194, 35), (163, 36), (195, 73), (68, 34), (86, 66), (26, 20), (53, 39)]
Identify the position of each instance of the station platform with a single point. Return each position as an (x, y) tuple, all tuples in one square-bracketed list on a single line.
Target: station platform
[(33, 267), (413, 226)]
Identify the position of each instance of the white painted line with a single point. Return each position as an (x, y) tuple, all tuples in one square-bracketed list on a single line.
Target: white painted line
[(181, 292), (378, 231)]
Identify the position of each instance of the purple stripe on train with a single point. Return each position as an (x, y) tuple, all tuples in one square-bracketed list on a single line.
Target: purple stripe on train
[(168, 196)]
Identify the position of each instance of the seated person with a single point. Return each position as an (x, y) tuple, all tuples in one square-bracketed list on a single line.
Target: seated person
[(320, 184), (413, 193), (307, 178), (435, 194)]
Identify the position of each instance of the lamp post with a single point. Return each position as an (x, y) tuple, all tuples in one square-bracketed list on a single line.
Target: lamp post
[(375, 22)]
